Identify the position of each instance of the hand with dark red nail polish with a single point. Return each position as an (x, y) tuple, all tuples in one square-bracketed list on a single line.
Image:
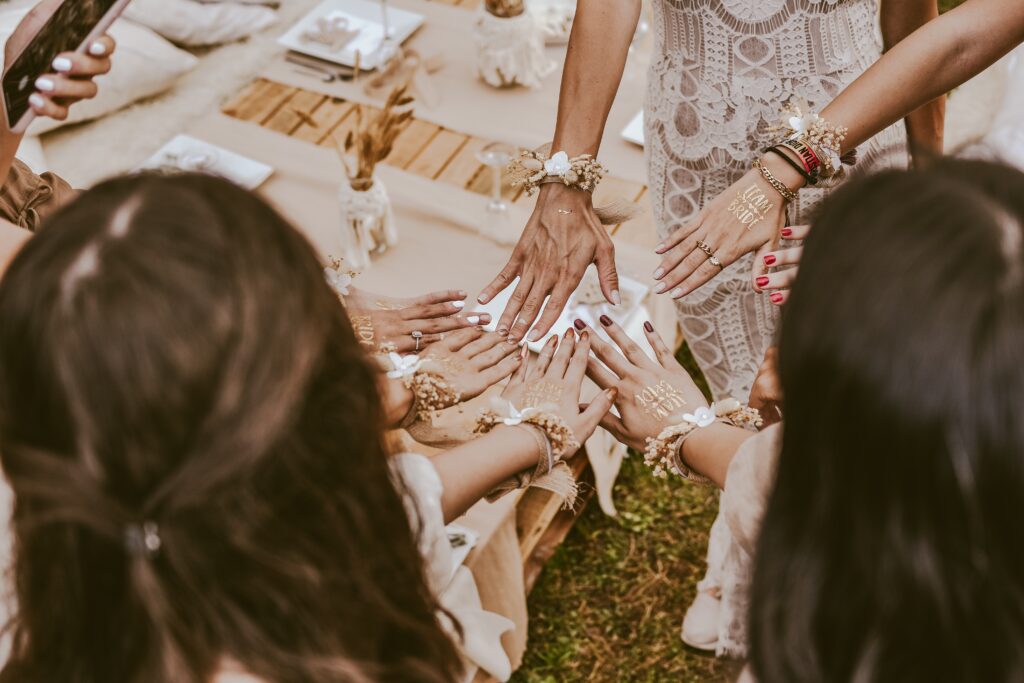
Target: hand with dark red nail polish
[(776, 298), (606, 321), (579, 324), (649, 327), (769, 259), (762, 282), (787, 232)]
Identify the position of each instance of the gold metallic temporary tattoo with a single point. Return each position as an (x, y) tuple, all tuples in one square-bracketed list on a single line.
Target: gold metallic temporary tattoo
[(660, 400), (751, 206), (542, 393), (363, 326)]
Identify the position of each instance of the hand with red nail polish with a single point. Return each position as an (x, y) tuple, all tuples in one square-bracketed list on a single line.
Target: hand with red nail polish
[(781, 278)]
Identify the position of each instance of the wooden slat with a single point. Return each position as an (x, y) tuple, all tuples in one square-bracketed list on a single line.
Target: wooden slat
[(323, 121), (341, 131), (438, 153), (295, 112), (249, 93), (262, 103), (464, 166), (411, 142)]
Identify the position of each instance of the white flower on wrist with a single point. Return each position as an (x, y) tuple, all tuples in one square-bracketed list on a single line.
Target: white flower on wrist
[(558, 165), (702, 417), (801, 124), (340, 282), (403, 366)]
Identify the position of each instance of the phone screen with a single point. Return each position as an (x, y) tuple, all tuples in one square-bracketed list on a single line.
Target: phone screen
[(65, 31)]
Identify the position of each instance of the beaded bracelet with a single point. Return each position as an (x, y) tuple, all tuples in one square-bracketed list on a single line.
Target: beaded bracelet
[(664, 453), (533, 168), (786, 193), (551, 472)]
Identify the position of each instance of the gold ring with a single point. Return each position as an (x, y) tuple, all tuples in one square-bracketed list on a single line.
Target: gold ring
[(418, 337), (705, 248), (715, 262)]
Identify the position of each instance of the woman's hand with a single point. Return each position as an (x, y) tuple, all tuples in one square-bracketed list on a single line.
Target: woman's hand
[(652, 393), (766, 394), (555, 379), (748, 215), (471, 361), (72, 77), (382, 321), (562, 238), (780, 281)]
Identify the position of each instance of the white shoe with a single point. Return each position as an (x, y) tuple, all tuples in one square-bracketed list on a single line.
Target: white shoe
[(700, 625)]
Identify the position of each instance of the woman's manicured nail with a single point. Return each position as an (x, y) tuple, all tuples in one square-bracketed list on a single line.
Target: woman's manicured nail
[(462, 294), (612, 394), (97, 49), (62, 64), (606, 321), (659, 273), (502, 330), (485, 318), (570, 333), (616, 299), (787, 232), (660, 248), (459, 305), (473, 320), (36, 100), (761, 282), (45, 84), (534, 336), (769, 259), (584, 336), (661, 287), (648, 326), (776, 298), (677, 292), (579, 324)]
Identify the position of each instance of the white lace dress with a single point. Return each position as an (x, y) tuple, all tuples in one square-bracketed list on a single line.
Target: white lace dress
[(720, 73)]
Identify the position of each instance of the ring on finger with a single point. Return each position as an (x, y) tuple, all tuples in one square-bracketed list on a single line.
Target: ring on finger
[(712, 259), (417, 336)]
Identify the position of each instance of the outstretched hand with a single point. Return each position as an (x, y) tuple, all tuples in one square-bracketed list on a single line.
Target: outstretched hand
[(561, 240), (739, 221), (471, 361)]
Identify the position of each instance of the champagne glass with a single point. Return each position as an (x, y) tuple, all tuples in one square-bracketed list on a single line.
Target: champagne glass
[(496, 157)]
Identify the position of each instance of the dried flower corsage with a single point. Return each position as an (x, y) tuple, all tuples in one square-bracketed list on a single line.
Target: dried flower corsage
[(430, 390), (664, 453), (533, 168), (824, 138), (339, 280), (556, 437)]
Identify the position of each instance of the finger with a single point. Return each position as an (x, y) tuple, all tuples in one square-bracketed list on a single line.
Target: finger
[(610, 356), (629, 348), (58, 87), (759, 269), (531, 309), (441, 297), (783, 257), (782, 279), (463, 338), (427, 311), (45, 107), (613, 423), (524, 367), (600, 375), (661, 350), (439, 325), (606, 272), (544, 358), (75, 64), (484, 342), (553, 308), (682, 263), (500, 283), (795, 232), (577, 369), (680, 235), (515, 303), (780, 297), (705, 273), (500, 371), (495, 355), (597, 409), (104, 46), (556, 370)]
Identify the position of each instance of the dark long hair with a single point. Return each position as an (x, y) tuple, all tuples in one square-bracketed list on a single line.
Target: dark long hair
[(171, 355), (892, 548)]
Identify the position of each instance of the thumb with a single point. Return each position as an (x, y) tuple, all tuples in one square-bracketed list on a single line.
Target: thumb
[(606, 273), (598, 408)]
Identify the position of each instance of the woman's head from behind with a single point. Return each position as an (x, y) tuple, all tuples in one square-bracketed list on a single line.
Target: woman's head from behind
[(193, 437), (890, 548)]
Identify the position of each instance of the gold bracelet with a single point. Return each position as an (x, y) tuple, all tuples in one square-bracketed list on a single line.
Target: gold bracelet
[(786, 193), (664, 452)]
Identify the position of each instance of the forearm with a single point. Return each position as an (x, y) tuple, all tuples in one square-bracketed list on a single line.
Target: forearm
[(473, 469), (925, 125), (598, 46), (939, 56), (710, 450)]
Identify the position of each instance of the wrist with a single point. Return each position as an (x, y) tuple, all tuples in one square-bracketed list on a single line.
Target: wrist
[(783, 172), (528, 445)]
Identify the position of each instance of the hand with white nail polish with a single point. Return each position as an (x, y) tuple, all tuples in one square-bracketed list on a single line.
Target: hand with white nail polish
[(393, 320)]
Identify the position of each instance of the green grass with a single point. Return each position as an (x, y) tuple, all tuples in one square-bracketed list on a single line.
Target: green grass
[(609, 605)]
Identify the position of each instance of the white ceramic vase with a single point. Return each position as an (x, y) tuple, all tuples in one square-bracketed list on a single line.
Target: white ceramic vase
[(367, 224), (510, 51)]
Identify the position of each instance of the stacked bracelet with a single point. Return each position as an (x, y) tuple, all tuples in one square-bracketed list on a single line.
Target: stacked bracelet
[(815, 141), (551, 472), (664, 453), (804, 173), (787, 194), (533, 168)]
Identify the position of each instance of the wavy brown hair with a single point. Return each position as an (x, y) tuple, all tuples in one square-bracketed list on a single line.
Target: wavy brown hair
[(171, 354)]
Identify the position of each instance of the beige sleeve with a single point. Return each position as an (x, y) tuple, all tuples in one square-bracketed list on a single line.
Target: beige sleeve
[(26, 198), (748, 484)]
